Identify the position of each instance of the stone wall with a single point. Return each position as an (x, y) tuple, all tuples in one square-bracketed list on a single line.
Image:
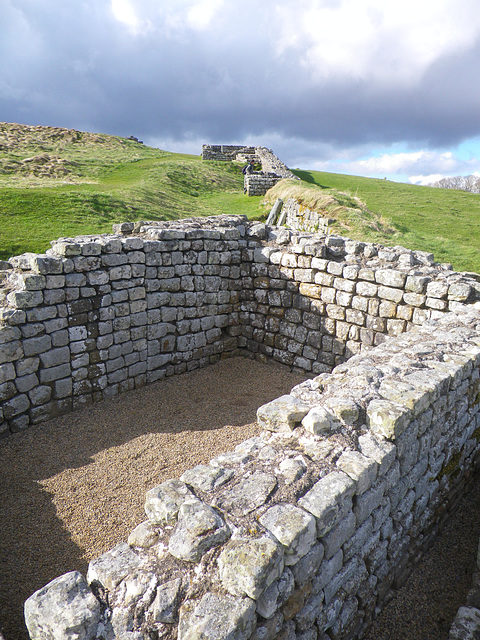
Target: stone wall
[(302, 532), (297, 216), (224, 152), (258, 183), (272, 164), (100, 315)]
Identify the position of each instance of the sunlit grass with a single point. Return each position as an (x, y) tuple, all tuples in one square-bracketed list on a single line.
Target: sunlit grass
[(444, 222)]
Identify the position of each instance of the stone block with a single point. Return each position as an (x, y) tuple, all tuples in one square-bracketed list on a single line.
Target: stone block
[(326, 498), (361, 469), (387, 419), (216, 617), (113, 566), (198, 529), (320, 421), (276, 595), (282, 414), (248, 566), (163, 502), (247, 494), (294, 528), (466, 625), (390, 277), (65, 608)]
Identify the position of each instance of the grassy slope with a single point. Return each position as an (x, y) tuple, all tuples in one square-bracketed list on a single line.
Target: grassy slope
[(81, 183), (444, 222), (109, 180)]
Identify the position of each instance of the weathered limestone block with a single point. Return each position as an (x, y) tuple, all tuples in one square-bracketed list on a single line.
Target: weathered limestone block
[(380, 450), (415, 398), (282, 414), (217, 617), (390, 277), (198, 529), (248, 567), (387, 419), (65, 609), (327, 499), (361, 469), (144, 535), (459, 292), (207, 478), (466, 625), (320, 421), (248, 494), (163, 502), (304, 570), (306, 617), (113, 566), (276, 594), (25, 299), (345, 409), (292, 469), (341, 532), (165, 605), (294, 528)]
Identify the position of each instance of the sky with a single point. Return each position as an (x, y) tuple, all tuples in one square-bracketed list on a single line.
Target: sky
[(379, 88)]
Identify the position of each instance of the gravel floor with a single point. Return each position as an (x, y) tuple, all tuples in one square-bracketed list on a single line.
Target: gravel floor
[(73, 487), (424, 608)]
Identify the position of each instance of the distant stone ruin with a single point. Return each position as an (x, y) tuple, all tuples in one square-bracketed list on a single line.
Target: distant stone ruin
[(300, 533), (259, 182)]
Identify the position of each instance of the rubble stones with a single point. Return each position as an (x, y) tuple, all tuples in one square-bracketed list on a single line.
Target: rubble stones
[(163, 502), (198, 529), (248, 494), (282, 414), (113, 566)]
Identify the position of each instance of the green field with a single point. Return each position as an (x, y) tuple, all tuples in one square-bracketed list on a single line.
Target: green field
[(61, 183), (445, 222)]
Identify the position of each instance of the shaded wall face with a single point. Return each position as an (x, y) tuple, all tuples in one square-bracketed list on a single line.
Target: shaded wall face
[(98, 316)]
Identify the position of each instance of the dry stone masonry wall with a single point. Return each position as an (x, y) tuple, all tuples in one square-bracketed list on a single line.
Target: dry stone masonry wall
[(302, 532), (258, 183), (224, 152), (299, 217), (96, 316)]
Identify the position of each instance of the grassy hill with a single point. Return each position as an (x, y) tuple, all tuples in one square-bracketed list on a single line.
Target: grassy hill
[(445, 222), (61, 182)]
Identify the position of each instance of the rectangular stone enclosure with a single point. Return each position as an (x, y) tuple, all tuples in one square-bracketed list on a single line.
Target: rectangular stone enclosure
[(303, 531)]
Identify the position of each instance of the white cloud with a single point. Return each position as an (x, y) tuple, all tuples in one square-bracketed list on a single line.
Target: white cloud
[(426, 180), (409, 163), (125, 13), (374, 39), (201, 14)]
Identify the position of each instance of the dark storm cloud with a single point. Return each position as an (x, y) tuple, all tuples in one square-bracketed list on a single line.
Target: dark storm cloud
[(208, 70)]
